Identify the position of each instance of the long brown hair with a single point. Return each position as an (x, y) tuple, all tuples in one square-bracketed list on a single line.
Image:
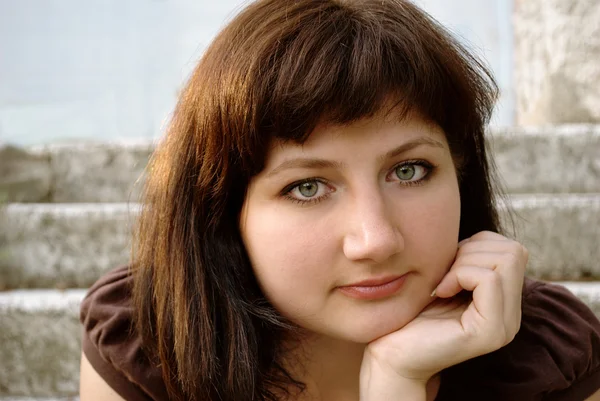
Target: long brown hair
[(275, 71)]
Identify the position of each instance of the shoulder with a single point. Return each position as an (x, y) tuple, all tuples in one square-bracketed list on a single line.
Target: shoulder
[(555, 356), (110, 343)]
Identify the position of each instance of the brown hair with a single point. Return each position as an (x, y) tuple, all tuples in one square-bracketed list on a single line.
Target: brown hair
[(275, 71)]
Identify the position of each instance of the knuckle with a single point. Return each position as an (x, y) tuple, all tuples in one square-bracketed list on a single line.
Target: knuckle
[(516, 246), (494, 277), (520, 249), (485, 234), (513, 259)]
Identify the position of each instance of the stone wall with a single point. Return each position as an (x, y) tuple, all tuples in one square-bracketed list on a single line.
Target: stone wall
[(557, 53)]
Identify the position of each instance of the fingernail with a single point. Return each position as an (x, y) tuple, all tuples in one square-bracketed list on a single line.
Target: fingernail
[(433, 293)]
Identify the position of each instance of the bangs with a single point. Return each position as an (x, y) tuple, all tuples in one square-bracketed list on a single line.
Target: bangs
[(338, 62), (275, 72), (281, 67)]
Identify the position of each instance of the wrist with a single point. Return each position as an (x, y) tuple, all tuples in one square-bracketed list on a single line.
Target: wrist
[(379, 384)]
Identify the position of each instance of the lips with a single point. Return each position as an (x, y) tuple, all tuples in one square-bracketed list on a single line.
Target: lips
[(374, 288)]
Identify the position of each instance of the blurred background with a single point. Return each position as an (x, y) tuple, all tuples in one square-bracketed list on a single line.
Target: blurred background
[(87, 87), (111, 69)]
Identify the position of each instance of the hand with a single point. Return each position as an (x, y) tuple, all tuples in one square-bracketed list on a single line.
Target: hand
[(459, 325)]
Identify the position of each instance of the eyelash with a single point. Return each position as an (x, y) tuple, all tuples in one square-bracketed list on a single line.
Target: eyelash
[(425, 164), (311, 201)]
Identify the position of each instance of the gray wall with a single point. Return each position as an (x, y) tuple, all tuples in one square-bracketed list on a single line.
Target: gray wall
[(110, 69)]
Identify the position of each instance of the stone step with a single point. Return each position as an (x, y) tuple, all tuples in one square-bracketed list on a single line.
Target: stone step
[(40, 340), (72, 398), (562, 233), (73, 172), (553, 159), (62, 245), (71, 245), (40, 343)]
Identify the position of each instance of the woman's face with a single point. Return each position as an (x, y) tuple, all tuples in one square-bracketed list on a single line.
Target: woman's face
[(349, 233)]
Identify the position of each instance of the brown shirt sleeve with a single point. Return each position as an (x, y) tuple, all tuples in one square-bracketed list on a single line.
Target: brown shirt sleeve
[(568, 334), (554, 357), (111, 345)]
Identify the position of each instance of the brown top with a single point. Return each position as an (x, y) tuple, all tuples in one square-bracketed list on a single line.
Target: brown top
[(554, 357)]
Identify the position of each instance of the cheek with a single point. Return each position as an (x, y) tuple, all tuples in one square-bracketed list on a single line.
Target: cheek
[(437, 219), (431, 226), (288, 254)]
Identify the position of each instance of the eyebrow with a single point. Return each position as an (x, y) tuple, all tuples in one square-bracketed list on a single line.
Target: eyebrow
[(315, 163)]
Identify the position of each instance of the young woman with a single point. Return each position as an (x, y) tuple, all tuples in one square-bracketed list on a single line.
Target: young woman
[(320, 223)]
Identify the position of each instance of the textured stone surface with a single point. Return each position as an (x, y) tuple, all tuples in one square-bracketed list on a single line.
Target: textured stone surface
[(62, 245), (562, 233), (559, 159), (79, 172), (531, 160), (70, 245), (557, 70), (72, 398), (25, 176), (98, 172), (40, 344)]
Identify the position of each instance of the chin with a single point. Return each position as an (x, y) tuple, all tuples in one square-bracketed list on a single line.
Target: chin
[(377, 323), (371, 329)]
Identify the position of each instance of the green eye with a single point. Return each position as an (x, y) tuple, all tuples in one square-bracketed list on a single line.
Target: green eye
[(308, 189), (405, 172)]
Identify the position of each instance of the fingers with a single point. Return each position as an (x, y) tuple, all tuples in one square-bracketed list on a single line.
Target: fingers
[(509, 266), (493, 267), (489, 250), (484, 235), (487, 309)]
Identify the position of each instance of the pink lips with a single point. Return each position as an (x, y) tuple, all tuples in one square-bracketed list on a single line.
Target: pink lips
[(374, 289)]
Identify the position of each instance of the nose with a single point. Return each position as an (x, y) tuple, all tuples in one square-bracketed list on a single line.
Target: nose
[(372, 235)]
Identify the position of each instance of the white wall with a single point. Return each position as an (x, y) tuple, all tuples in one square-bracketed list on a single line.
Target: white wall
[(486, 26), (108, 69)]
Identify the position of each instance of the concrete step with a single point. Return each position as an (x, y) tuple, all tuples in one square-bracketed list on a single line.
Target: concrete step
[(71, 245), (62, 245), (40, 343), (553, 159), (73, 398), (562, 233), (74, 172), (40, 340)]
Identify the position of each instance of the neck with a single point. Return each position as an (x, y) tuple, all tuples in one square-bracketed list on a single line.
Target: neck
[(330, 369)]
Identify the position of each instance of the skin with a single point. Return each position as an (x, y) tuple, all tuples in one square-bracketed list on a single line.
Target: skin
[(454, 327), (337, 210), (92, 387), (366, 222)]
